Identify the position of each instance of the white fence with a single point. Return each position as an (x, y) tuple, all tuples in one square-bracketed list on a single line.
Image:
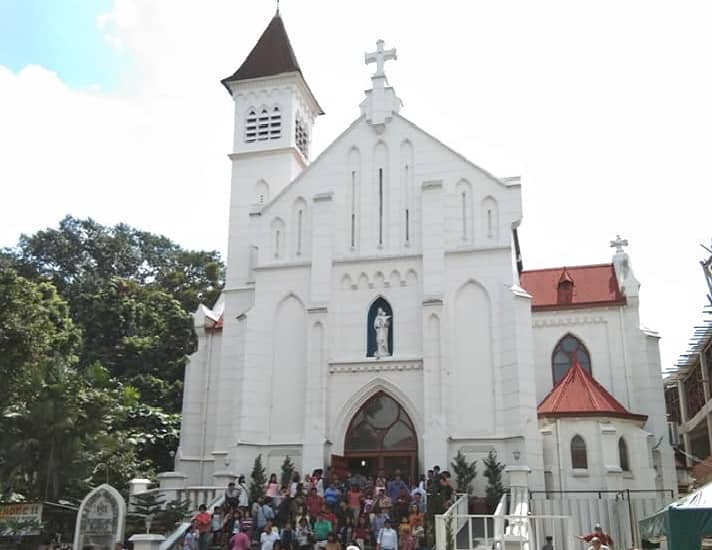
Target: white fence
[(519, 530), (617, 512)]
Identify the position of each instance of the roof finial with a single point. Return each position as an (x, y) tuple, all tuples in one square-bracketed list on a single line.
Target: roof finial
[(277, 14), (618, 244), (379, 57)]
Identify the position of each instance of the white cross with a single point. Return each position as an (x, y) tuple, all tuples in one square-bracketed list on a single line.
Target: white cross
[(379, 57), (619, 243)]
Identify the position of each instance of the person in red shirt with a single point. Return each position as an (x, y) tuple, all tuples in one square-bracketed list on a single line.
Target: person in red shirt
[(327, 514), (240, 541), (202, 522), (599, 533), (354, 497), (314, 504)]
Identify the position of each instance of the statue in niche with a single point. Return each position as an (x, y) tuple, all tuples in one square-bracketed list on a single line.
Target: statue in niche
[(381, 324)]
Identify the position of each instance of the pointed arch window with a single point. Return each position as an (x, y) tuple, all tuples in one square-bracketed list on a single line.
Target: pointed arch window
[(579, 458), (381, 425), (301, 137), (568, 349), (275, 123), (623, 455), (251, 126)]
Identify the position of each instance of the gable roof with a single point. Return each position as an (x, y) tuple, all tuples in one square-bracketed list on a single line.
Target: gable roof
[(593, 286), (579, 394)]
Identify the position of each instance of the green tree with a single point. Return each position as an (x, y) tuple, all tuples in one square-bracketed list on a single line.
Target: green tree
[(60, 428), (258, 478), (465, 472), (80, 255), (147, 509), (287, 471), (493, 473), (37, 336), (142, 336)]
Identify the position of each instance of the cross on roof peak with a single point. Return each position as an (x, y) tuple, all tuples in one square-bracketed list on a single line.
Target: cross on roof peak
[(379, 57), (618, 244)]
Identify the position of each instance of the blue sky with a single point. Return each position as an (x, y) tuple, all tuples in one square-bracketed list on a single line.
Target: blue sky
[(62, 37)]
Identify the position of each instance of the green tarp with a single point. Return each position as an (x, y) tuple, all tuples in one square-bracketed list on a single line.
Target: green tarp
[(683, 523)]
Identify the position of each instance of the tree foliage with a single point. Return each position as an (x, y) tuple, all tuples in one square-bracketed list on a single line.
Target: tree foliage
[(287, 471), (465, 472), (258, 479), (94, 334), (493, 473), (80, 255)]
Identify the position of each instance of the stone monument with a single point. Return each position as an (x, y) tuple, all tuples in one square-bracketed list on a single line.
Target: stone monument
[(101, 519)]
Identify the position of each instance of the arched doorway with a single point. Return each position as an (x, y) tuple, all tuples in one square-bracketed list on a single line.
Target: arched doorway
[(381, 436)]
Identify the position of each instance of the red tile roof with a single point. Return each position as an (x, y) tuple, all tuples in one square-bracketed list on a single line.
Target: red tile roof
[(593, 286), (578, 394)]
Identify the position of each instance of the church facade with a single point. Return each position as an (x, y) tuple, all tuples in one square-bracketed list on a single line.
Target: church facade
[(375, 314)]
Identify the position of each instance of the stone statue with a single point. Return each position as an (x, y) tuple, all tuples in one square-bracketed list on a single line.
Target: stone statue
[(382, 323)]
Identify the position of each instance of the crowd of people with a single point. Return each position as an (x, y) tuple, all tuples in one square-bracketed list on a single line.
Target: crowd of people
[(322, 512)]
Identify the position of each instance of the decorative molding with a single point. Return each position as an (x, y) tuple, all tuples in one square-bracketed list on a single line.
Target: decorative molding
[(470, 249), (477, 448), (560, 321), (318, 309), (377, 259), (281, 265), (320, 197), (432, 184), (432, 301), (375, 365)]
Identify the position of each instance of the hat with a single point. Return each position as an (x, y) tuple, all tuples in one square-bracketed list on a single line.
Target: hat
[(597, 527)]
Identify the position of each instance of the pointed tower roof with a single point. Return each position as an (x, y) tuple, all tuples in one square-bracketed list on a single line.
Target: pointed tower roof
[(578, 394), (272, 55)]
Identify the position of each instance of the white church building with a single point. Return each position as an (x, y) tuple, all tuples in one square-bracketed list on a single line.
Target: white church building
[(375, 314)]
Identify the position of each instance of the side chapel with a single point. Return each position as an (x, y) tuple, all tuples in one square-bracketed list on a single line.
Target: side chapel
[(375, 312)]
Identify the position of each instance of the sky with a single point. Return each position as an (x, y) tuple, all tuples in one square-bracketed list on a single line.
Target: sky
[(113, 109)]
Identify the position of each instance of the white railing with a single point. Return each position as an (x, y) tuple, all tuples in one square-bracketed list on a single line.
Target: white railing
[(173, 539), (458, 509), (520, 533)]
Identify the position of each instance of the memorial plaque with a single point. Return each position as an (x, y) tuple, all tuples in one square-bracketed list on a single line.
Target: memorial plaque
[(101, 518)]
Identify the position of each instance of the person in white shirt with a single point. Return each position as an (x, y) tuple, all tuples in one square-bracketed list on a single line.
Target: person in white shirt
[(596, 544), (268, 537), (387, 538)]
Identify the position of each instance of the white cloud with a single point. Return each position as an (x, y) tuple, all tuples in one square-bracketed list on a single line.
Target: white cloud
[(604, 110)]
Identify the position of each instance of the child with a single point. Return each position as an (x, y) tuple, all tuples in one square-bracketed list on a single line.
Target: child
[(190, 539)]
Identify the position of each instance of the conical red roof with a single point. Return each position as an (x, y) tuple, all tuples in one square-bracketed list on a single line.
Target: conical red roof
[(578, 394)]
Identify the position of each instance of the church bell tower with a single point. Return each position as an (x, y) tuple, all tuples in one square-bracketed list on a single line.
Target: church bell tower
[(274, 115)]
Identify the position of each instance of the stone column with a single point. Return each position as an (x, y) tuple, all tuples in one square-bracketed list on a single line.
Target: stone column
[(433, 239), (518, 475), (317, 315), (171, 484), (435, 436), (609, 456), (222, 478), (435, 429)]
